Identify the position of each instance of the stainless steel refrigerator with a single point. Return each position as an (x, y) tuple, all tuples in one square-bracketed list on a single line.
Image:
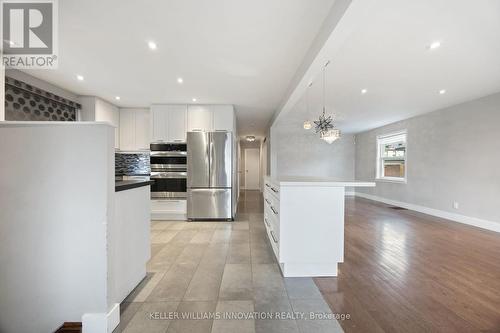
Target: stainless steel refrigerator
[(210, 174)]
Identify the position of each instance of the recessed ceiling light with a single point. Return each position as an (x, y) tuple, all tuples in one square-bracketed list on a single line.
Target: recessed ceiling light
[(152, 45), (442, 91), (180, 80), (194, 99), (307, 125), (434, 45), (364, 91), (79, 77), (117, 98)]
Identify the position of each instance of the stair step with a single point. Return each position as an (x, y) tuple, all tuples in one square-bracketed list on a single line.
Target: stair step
[(70, 327)]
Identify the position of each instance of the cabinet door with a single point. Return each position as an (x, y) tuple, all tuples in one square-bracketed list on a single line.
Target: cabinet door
[(142, 129), (199, 118), (159, 118), (176, 124), (127, 129), (223, 116)]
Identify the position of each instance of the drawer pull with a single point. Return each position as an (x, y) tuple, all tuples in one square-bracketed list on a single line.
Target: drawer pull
[(267, 222), (268, 202), (274, 237), (274, 211), (274, 190)]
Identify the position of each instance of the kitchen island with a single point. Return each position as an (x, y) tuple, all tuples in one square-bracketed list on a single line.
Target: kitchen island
[(304, 219)]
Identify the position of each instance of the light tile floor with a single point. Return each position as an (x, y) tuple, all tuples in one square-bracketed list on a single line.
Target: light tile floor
[(202, 268)]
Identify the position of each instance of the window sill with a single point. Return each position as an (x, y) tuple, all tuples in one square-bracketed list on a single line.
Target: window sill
[(391, 180)]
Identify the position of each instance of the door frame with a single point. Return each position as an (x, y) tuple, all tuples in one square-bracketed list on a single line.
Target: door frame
[(258, 169)]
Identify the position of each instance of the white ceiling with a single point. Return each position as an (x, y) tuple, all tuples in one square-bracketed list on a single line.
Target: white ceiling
[(227, 51), (387, 54)]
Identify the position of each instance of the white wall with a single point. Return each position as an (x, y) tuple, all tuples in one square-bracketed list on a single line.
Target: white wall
[(453, 155), (96, 109), (57, 191), (303, 153)]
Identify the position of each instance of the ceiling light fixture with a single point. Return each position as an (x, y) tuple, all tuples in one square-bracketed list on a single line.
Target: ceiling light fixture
[(442, 92), (363, 91), (180, 80), (324, 125), (194, 99), (434, 45), (307, 125), (250, 138), (80, 78), (117, 98), (152, 45)]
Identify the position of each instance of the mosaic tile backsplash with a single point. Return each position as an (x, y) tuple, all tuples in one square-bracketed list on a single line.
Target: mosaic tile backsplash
[(24, 102), (132, 164)]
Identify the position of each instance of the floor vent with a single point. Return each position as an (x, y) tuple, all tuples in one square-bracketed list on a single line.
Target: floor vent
[(397, 208)]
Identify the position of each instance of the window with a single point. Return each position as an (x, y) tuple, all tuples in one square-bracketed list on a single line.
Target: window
[(391, 157)]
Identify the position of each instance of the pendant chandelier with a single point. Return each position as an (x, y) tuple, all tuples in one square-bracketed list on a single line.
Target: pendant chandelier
[(324, 125)]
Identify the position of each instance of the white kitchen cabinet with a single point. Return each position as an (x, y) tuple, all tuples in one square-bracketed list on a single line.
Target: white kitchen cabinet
[(168, 123), (134, 129), (176, 123), (142, 129), (159, 119), (200, 118), (127, 129), (223, 117)]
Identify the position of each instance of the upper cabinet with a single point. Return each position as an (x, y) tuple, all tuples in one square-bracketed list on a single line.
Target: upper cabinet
[(168, 123), (223, 118), (134, 129), (210, 118), (200, 118)]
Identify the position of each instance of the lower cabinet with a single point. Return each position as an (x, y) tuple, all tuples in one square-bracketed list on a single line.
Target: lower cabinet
[(305, 227), (167, 209)]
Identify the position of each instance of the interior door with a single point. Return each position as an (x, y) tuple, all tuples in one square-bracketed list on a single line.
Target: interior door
[(198, 144), (252, 168), (221, 159)]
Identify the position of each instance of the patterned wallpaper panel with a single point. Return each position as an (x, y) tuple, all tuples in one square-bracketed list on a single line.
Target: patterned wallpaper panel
[(23, 102), (132, 164)]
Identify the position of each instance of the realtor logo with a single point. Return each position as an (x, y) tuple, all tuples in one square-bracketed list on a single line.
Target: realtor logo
[(29, 34)]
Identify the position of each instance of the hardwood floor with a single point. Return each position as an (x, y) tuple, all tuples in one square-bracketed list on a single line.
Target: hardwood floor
[(409, 272)]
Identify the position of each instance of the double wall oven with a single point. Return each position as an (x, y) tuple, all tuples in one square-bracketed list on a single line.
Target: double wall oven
[(168, 170)]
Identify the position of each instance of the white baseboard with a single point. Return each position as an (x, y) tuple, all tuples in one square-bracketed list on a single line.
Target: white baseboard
[(101, 322), (474, 221)]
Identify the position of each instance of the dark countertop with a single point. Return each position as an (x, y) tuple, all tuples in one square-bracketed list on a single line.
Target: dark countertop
[(123, 185)]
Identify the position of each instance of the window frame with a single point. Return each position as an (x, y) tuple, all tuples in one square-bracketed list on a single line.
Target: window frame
[(391, 138)]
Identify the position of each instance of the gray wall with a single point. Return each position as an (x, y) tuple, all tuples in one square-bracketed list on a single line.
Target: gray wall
[(302, 153), (44, 85), (453, 155)]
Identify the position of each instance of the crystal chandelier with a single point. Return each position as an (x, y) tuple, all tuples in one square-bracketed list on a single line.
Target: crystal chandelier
[(324, 125)]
